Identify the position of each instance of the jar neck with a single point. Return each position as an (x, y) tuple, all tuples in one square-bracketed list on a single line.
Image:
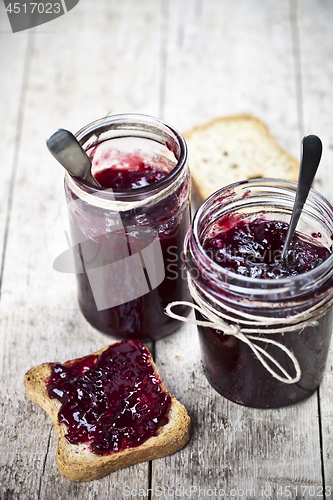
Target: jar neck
[(153, 134), (272, 198)]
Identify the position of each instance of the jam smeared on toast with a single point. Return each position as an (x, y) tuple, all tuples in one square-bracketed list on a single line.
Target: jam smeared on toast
[(253, 249), (113, 401)]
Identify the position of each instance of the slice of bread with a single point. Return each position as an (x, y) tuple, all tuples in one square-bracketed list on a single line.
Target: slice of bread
[(235, 148), (78, 462)]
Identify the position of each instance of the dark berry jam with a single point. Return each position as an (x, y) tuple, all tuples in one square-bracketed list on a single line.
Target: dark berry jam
[(142, 317), (110, 402), (234, 372), (129, 178), (253, 249), (119, 170)]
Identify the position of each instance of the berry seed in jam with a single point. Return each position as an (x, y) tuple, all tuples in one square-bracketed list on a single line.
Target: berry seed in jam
[(113, 401), (253, 249)]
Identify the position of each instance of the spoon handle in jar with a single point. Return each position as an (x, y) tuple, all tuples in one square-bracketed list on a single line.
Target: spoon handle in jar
[(64, 146), (311, 150)]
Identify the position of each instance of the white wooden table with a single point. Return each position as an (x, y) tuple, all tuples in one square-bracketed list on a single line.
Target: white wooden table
[(186, 61)]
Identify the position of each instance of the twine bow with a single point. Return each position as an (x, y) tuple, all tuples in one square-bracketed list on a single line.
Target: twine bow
[(217, 320)]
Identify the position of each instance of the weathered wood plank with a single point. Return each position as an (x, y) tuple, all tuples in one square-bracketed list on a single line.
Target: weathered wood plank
[(232, 57), (14, 61), (15, 58), (84, 65), (315, 21)]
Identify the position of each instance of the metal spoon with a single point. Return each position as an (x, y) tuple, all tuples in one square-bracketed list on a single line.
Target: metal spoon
[(64, 146), (311, 149)]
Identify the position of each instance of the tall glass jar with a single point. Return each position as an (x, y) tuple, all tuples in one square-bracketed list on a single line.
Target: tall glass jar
[(289, 319), (128, 244)]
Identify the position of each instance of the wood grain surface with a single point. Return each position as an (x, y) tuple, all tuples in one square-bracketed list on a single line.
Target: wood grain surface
[(185, 61)]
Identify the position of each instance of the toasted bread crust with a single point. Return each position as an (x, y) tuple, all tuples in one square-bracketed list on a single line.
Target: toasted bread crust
[(235, 148), (77, 462)]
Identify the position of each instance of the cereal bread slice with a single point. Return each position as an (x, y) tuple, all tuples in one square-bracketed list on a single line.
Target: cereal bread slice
[(78, 462), (235, 148)]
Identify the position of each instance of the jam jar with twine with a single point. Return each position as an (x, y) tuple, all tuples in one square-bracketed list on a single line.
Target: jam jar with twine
[(264, 326)]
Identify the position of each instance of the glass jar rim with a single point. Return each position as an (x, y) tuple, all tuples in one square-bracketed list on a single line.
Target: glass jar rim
[(245, 282), (141, 119)]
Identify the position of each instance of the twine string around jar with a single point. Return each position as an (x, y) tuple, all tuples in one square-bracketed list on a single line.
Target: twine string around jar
[(217, 320), (110, 203)]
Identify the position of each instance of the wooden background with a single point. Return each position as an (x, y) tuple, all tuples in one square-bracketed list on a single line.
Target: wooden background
[(185, 61)]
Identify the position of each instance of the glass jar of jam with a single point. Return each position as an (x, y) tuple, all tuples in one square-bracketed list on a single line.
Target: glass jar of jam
[(277, 314), (128, 233)]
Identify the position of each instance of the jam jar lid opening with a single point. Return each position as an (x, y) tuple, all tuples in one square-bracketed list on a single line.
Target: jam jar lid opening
[(134, 126), (272, 197)]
